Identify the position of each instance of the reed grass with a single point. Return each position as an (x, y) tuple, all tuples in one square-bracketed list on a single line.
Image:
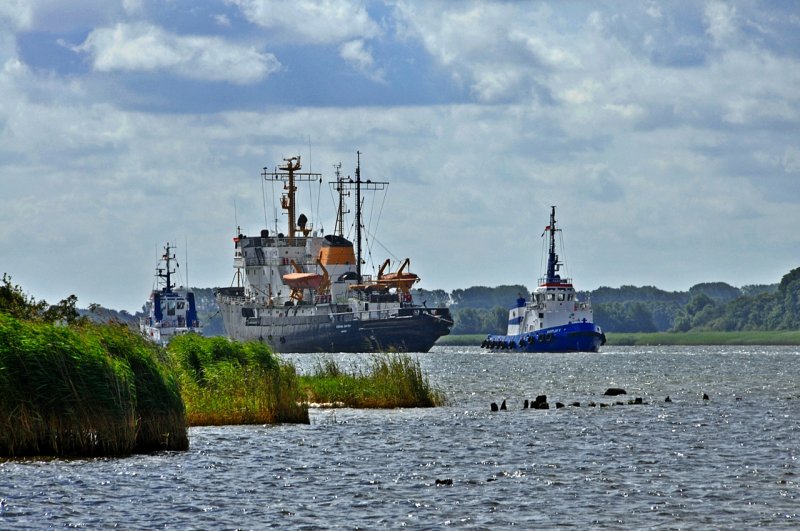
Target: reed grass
[(226, 382), (744, 338), (390, 381), (83, 391), (160, 412)]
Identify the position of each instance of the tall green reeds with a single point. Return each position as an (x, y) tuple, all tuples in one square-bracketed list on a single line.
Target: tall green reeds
[(85, 390), (226, 382), (391, 380)]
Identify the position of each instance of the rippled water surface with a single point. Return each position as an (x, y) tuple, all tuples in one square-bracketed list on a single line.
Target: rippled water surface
[(727, 462)]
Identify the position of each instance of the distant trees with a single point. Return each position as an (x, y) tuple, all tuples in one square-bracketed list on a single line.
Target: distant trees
[(624, 317), (15, 302), (484, 310), (437, 297), (488, 298)]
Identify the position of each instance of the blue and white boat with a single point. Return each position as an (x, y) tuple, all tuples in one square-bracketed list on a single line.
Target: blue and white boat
[(169, 312), (554, 320)]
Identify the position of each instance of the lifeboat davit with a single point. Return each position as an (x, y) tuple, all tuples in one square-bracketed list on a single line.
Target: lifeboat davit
[(398, 279)]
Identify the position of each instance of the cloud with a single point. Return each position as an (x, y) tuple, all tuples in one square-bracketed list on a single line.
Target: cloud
[(721, 20), (311, 21), (502, 53), (143, 47), (18, 14), (360, 58)]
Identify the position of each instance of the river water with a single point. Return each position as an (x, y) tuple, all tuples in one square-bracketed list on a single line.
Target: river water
[(729, 462)]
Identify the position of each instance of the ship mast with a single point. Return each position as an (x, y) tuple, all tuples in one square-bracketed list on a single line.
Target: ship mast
[(289, 174), (359, 185), (340, 212), (358, 215), (553, 264), (160, 272)]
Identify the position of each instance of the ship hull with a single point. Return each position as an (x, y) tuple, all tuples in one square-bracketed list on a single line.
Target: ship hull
[(573, 337), (410, 330)]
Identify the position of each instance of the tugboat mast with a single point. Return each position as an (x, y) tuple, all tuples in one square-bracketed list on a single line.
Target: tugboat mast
[(553, 264), (166, 275)]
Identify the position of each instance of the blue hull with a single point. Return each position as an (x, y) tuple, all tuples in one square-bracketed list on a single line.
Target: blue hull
[(574, 337)]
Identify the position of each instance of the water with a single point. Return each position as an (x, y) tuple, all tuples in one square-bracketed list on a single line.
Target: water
[(728, 462)]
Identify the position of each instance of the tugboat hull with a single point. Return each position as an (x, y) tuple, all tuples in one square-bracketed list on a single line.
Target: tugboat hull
[(574, 337)]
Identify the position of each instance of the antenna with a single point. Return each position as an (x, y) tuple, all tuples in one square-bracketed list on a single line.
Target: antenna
[(264, 202), (340, 211), (186, 254)]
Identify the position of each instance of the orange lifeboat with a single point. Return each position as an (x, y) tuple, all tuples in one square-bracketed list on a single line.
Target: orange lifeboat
[(303, 280), (398, 279), (300, 280)]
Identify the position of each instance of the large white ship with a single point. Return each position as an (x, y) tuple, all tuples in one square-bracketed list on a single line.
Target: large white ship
[(305, 292)]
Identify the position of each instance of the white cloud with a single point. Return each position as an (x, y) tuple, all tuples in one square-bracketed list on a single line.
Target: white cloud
[(133, 6), (721, 20), (222, 20), (312, 21), (360, 58), (144, 47), (18, 14), (501, 51)]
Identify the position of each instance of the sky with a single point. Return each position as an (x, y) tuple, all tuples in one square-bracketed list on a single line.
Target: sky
[(667, 134)]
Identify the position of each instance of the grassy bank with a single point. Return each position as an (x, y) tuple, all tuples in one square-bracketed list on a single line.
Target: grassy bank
[(664, 338), (84, 390), (390, 381), (225, 382), (705, 338)]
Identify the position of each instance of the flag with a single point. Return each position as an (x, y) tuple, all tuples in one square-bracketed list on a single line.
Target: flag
[(547, 228)]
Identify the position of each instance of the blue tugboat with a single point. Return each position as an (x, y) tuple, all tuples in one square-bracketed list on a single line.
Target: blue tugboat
[(554, 320), (169, 312)]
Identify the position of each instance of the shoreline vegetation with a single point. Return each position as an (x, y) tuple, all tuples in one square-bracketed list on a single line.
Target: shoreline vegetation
[(742, 338), (391, 381)]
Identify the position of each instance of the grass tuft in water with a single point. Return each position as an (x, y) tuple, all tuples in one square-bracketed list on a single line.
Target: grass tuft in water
[(226, 382), (391, 380)]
